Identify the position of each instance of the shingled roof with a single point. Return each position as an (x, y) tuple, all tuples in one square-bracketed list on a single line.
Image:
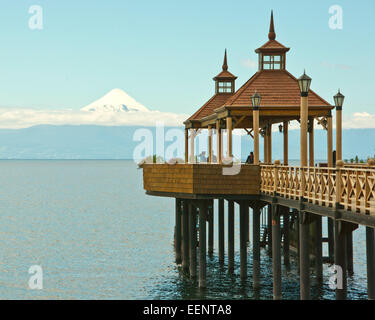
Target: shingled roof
[(277, 88), (218, 100)]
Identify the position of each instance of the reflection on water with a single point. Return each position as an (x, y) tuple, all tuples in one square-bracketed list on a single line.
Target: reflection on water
[(98, 236)]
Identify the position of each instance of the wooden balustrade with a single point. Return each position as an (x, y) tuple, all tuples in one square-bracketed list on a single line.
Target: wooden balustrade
[(355, 191)]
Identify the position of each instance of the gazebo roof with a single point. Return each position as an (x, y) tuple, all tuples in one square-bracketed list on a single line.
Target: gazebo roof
[(218, 100), (277, 88)]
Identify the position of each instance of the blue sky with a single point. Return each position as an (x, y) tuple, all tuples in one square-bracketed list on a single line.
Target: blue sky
[(164, 53)]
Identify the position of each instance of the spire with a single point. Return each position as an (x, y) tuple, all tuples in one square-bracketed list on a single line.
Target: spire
[(225, 64), (272, 34)]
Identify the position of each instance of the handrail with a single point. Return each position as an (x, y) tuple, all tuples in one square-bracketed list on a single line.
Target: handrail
[(352, 188)]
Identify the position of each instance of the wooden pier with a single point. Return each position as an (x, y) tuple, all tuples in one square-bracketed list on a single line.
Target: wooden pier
[(295, 196)]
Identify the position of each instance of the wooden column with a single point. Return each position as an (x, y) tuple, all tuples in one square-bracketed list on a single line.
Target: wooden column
[(192, 147), (244, 210), (202, 244), (285, 132), (256, 134), (256, 246), (329, 142), (219, 140), (185, 233), (338, 133), (370, 257), (193, 240), (229, 137), (304, 256), (265, 145), (186, 145), (349, 253), (311, 142), (211, 218), (303, 115), (276, 253), (209, 144), (230, 236), (269, 145), (178, 231), (221, 230)]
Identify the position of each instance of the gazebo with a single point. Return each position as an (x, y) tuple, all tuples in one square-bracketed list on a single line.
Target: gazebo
[(345, 196), (271, 96)]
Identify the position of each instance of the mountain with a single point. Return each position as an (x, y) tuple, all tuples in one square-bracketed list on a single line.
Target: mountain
[(116, 100)]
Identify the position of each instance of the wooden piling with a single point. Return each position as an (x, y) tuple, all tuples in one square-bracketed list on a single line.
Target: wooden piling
[(256, 246), (304, 256), (340, 259), (318, 246), (370, 257), (230, 235), (211, 228), (185, 232), (221, 230), (193, 240), (276, 253), (349, 253), (331, 240), (178, 231), (286, 242), (269, 228), (202, 244), (244, 209)]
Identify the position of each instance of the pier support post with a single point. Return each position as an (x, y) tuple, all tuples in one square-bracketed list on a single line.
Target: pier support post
[(230, 235), (276, 253), (349, 252), (286, 236), (202, 243), (269, 228), (185, 237), (211, 218), (244, 210), (330, 239), (304, 255), (256, 246), (178, 231), (318, 248), (193, 240), (221, 231), (340, 259), (370, 257)]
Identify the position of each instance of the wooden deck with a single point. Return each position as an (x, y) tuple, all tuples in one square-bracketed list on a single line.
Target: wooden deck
[(352, 188), (212, 179)]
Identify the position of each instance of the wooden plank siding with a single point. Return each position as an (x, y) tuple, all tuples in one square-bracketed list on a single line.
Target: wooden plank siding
[(201, 179)]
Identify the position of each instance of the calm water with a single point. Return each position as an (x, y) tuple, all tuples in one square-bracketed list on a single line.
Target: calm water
[(96, 235)]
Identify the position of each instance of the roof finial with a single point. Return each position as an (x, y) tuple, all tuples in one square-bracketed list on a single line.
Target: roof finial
[(225, 64), (272, 34)]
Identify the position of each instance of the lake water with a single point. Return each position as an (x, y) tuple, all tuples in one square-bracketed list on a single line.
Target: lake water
[(96, 235)]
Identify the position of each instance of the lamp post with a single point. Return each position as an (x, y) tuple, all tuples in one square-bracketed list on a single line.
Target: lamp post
[(339, 101), (255, 100), (304, 85)]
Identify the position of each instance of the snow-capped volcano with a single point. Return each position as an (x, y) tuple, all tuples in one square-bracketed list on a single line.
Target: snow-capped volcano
[(116, 100)]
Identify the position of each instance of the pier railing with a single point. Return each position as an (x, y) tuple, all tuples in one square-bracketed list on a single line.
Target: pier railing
[(352, 188)]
